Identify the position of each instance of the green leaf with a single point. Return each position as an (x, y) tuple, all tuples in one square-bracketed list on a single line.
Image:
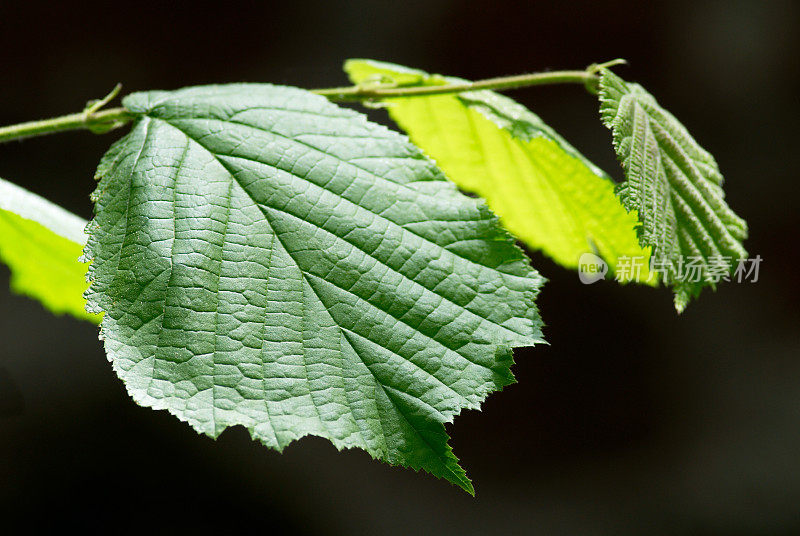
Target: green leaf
[(544, 191), (41, 243), (268, 259), (676, 188)]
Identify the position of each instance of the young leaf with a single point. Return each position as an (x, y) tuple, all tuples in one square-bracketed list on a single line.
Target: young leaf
[(41, 243), (268, 259), (545, 192), (675, 187)]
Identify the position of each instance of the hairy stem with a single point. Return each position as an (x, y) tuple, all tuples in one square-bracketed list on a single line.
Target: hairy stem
[(358, 93), (101, 121)]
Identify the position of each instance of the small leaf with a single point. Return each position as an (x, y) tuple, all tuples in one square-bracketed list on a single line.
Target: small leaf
[(42, 243), (675, 187), (544, 191), (268, 259)]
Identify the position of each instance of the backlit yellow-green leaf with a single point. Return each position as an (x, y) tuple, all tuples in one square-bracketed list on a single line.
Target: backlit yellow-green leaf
[(41, 243), (545, 192)]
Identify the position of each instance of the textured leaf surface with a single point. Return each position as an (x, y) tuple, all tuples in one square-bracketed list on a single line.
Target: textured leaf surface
[(545, 192), (41, 243), (673, 184), (268, 259)]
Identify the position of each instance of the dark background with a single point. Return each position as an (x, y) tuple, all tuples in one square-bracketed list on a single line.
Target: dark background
[(633, 421)]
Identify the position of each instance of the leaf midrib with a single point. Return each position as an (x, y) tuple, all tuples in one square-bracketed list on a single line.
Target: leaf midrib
[(677, 191)]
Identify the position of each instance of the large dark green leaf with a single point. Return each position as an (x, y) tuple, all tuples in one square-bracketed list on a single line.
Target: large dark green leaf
[(268, 259)]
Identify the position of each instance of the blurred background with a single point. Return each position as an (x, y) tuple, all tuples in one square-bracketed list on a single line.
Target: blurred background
[(634, 421)]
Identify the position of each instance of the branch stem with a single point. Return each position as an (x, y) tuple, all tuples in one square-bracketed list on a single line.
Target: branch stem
[(101, 121), (358, 93)]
